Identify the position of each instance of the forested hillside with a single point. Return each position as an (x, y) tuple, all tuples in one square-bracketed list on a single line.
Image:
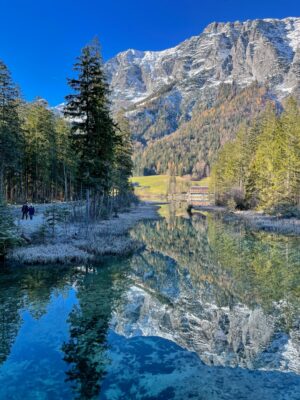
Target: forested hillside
[(193, 147)]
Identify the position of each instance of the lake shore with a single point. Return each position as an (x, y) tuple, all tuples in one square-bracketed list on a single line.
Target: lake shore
[(79, 242), (260, 221), (257, 220)]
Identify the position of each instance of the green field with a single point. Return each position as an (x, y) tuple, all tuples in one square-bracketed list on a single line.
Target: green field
[(156, 186)]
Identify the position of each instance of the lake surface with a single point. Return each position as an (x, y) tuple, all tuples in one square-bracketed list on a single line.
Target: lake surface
[(206, 310)]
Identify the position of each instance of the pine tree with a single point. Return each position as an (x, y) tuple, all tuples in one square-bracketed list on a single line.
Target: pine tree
[(66, 157), (123, 155), (172, 178), (290, 131), (40, 158), (10, 130), (93, 130), (251, 193), (8, 235), (268, 161)]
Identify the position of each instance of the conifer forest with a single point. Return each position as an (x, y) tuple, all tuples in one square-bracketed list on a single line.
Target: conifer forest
[(47, 157)]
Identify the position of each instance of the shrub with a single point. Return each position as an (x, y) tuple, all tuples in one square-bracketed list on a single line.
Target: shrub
[(231, 204), (55, 215), (286, 210)]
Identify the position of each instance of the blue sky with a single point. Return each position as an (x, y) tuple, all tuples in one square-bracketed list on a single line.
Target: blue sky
[(39, 40)]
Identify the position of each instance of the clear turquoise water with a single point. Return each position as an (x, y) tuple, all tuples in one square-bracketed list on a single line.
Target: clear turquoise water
[(207, 310)]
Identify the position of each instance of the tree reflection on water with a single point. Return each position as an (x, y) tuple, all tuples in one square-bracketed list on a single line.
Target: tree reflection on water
[(86, 351)]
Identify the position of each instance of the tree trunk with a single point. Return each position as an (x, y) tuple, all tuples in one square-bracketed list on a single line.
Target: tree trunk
[(88, 205), (2, 182), (66, 184)]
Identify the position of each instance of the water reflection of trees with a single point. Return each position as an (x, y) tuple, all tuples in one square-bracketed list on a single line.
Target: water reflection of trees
[(267, 264), (30, 288), (229, 263), (86, 351), (10, 303), (98, 292)]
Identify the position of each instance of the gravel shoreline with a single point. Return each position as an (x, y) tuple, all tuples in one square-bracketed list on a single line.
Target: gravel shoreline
[(257, 220)]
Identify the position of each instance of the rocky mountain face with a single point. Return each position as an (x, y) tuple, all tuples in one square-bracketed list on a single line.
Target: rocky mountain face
[(160, 90)]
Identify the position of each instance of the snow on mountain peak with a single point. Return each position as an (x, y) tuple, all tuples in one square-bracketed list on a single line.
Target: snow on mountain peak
[(261, 50)]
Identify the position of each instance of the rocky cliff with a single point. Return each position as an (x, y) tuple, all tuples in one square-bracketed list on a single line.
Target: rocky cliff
[(161, 89)]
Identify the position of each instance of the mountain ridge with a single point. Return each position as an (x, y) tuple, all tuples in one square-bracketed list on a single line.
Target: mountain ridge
[(262, 50), (154, 63)]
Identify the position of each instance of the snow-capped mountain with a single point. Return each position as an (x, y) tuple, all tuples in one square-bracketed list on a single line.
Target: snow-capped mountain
[(161, 88)]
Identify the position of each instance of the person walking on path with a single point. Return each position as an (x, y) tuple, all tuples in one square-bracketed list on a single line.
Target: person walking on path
[(25, 210), (31, 211)]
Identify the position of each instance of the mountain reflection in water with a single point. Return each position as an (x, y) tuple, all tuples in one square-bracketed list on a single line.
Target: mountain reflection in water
[(207, 310)]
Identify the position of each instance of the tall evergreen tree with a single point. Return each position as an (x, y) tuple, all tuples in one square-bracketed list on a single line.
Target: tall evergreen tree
[(66, 158), (40, 151), (290, 170), (10, 130), (93, 130), (8, 235), (123, 155), (268, 160), (172, 178)]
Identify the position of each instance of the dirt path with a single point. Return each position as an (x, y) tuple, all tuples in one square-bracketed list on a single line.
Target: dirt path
[(27, 226)]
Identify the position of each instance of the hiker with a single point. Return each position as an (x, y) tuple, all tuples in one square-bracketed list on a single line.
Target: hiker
[(31, 211), (25, 210)]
